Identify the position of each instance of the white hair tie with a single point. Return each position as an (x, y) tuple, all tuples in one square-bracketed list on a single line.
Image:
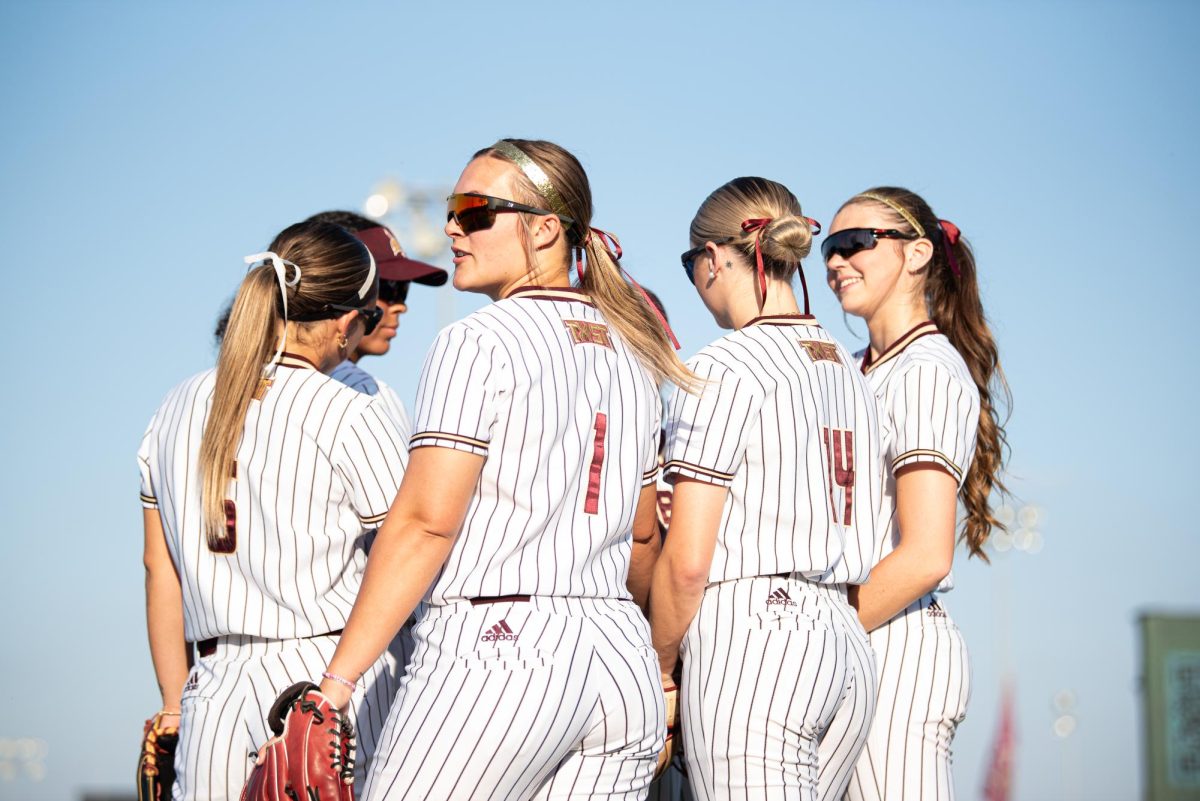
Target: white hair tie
[(280, 265)]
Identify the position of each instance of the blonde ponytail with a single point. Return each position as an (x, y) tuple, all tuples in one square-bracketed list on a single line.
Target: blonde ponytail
[(326, 264), (255, 326), (630, 313)]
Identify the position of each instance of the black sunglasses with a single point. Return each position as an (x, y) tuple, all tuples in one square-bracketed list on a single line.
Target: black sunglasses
[(474, 212), (371, 315), (848, 241), (688, 257), (393, 291)]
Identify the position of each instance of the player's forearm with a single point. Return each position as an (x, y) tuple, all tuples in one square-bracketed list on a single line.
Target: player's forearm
[(164, 624), (900, 578), (675, 596), (404, 560), (641, 570)]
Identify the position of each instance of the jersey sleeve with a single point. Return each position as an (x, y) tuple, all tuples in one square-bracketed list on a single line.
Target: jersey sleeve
[(651, 469), (934, 415), (372, 458), (149, 495), (456, 398), (395, 409), (707, 433)]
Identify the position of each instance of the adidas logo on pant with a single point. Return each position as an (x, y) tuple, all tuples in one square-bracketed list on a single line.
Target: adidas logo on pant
[(499, 633), (780, 598)]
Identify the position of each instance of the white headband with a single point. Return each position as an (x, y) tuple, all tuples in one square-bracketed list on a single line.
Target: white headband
[(280, 266), (366, 287)]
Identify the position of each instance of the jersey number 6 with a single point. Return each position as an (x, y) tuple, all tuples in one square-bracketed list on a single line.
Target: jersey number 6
[(839, 455)]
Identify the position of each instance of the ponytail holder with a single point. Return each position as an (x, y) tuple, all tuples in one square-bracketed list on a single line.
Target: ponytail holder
[(280, 265), (951, 235), (604, 237), (757, 224)]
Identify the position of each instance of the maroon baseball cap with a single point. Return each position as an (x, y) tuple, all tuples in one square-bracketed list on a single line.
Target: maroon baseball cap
[(393, 264)]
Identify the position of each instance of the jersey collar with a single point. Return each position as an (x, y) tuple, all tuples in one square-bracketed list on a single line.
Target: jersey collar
[(297, 361), (560, 293), (783, 319), (896, 348)]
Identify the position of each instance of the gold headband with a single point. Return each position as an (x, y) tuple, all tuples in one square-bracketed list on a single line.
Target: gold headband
[(903, 212), (535, 174)]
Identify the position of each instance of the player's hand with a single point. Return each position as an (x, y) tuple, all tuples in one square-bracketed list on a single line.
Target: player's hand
[(671, 694)]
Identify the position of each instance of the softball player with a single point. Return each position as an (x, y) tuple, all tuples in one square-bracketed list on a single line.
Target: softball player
[(533, 459), (930, 364), (262, 482), (776, 466), (396, 272)]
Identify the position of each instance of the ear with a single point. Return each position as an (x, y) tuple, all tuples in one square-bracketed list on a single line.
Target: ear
[(545, 231), (345, 322), (917, 254), (713, 251)]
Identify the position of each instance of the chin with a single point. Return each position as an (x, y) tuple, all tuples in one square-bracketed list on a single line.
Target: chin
[(374, 348)]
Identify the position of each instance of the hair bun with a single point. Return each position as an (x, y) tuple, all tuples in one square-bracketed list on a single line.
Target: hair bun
[(787, 239)]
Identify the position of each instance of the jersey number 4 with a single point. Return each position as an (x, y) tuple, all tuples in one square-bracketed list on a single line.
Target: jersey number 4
[(839, 455)]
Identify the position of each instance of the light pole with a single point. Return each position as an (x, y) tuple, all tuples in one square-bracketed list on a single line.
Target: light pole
[(417, 215)]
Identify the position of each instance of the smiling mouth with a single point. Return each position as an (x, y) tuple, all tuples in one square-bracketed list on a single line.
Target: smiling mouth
[(845, 282)]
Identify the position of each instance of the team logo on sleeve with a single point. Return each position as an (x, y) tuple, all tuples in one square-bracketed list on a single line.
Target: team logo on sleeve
[(499, 633), (820, 351), (587, 333)]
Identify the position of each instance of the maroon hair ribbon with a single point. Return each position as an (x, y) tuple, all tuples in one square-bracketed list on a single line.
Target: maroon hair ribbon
[(605, 239), (612, 246), (951, 234), (653, 307), (757, 224)]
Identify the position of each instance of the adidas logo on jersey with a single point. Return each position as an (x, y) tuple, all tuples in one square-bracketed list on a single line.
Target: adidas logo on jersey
[(499, 633), (193, 683), (780, 598)]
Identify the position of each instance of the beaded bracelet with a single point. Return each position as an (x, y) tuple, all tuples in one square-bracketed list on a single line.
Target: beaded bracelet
[(339, 679)]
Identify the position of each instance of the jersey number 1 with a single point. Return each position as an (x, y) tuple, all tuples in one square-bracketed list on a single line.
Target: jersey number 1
[(839, 454), (591, 502)]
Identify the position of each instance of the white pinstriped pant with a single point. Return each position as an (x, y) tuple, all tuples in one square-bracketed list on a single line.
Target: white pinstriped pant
[(550, 698), (228, 695), (924, 686), (770, 666)]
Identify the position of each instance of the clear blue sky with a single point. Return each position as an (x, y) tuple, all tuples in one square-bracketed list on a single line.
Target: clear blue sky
[(147, 147)]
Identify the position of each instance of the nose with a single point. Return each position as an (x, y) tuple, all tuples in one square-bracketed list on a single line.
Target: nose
[(399, 307), (452, 228)]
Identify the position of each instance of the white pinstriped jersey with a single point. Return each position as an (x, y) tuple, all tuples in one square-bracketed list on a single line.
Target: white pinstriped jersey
[(791, 428), (568, 420), (317, 467), (357, 378), (929, 407)]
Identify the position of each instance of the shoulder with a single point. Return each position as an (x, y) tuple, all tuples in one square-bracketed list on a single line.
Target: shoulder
[(730, 356), (355, 377), (934, 355), (199, 385)]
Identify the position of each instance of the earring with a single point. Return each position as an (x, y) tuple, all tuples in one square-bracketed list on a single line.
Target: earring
[(342, 342), (711, 275)]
